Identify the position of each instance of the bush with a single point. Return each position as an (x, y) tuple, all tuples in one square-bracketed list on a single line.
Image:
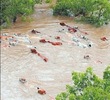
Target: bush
[(48, 1), (62, 7), (87, 86), (10, 9), (92, 11), (38, 1)]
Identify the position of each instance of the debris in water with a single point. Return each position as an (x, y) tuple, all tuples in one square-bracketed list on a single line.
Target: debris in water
[(62, 24), (41, 91), (75, 39), (35, 31), (89, 45), (81, 45), (57, 37), (35, 52), (13, 43), (5, 37), (76, 27), (99, 61), (42, 40), (5, 34), (87, 57), (83, 32), (72, 29), (22, 80), (61, 30), (83, 37), (53, 43), (104, 39)]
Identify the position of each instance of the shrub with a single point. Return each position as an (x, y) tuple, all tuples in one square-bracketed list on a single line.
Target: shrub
[(38, 1), (10, 9), (96, 12), (87, 86), (62, 8), (48, 1)]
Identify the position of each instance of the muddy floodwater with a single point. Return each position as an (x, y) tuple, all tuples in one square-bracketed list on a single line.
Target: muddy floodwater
[(18, 61)]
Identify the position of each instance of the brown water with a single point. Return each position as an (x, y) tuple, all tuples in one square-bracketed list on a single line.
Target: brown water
[(17, 61)]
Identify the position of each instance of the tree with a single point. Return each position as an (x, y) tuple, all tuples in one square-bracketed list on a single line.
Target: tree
[(87, 86), (10, 9), (95, 12)]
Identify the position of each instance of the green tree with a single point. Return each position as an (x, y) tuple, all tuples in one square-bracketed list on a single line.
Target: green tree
[(96, 12), (10, 9), (87, 86)]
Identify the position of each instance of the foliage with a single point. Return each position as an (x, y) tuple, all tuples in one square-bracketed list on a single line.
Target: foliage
[(62, 7), (38, 1), (93, 11), (87, 86), (10, 9), (48, 1)]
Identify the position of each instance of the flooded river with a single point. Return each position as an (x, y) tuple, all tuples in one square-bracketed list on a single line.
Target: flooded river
[(18, 62)]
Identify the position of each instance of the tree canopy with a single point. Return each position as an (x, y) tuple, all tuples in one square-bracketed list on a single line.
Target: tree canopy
[(87, 86)]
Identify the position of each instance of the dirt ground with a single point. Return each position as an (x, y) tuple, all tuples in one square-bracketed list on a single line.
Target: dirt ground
[(18, 62)]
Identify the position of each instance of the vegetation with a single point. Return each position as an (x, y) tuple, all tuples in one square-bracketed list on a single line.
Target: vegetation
[(38, 1), (96, 12), (93, 11), (87, 86), (11, 9), (48, 1)]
